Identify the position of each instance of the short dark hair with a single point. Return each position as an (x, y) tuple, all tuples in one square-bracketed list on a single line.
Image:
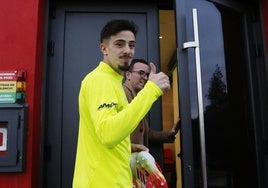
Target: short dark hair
[(117, 25), (134, 61)]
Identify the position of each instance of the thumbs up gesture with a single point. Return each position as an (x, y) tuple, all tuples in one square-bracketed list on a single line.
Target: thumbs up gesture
[(160, 79)]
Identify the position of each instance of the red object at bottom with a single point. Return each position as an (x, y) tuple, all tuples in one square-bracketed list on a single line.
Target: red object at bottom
[(147, 180)]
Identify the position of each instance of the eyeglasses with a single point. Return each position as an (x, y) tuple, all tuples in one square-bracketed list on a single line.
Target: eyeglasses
[(142, 73)]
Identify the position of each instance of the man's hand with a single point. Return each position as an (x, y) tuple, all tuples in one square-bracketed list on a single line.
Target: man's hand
[(160, 79), (138, 148), (176, 127), (174, 131)]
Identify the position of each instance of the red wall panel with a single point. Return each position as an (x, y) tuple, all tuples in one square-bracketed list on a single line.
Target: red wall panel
[(21, 47)]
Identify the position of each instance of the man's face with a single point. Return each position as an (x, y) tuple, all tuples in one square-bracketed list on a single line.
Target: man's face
[(118, 51), (138, 77)]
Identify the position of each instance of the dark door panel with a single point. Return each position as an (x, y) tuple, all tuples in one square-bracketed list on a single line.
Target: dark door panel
[(218, 132)]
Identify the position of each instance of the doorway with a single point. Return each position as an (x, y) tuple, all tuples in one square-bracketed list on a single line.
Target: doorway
[(228, 78), (73, 52)]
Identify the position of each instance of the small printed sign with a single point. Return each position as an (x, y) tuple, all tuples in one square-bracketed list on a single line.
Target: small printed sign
[(8, 75), (8, 91), (8, 86), (12, 86), (7, 97)]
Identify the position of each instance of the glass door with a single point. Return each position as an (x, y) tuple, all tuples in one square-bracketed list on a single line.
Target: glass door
[(217, 131)]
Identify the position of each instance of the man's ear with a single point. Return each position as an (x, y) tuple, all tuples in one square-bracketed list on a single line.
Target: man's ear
[(103, 49), (127, 73)]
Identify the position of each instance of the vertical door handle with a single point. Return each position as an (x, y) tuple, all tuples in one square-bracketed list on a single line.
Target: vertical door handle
[(195, 44)]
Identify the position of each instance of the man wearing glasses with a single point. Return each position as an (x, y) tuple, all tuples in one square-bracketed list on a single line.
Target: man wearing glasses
[(135, 79)]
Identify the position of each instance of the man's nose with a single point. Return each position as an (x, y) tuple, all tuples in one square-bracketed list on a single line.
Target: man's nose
[(128, 48)]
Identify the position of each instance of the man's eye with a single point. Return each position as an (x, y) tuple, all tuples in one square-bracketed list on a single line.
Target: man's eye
[(142, 72), (131, 45), (119, 44)]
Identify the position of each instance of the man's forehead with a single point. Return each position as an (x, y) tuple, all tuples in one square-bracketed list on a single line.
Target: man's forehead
[(141, 65), (124, 35)]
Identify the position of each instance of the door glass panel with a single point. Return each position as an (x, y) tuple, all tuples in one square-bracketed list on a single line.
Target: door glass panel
[(229, 142), (214, 90)]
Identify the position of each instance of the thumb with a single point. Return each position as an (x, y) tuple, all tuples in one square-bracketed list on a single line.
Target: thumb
[(153, 68)]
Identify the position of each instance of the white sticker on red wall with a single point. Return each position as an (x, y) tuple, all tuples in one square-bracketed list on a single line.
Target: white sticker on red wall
[(3, 139)]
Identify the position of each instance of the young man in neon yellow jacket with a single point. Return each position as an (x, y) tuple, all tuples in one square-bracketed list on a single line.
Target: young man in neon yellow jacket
[(106, 118)]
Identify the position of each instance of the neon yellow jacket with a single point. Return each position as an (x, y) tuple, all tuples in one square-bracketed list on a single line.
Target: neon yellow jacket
[(106, 122)]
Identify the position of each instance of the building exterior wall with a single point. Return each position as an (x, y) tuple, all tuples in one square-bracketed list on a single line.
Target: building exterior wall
[(22, 47)]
